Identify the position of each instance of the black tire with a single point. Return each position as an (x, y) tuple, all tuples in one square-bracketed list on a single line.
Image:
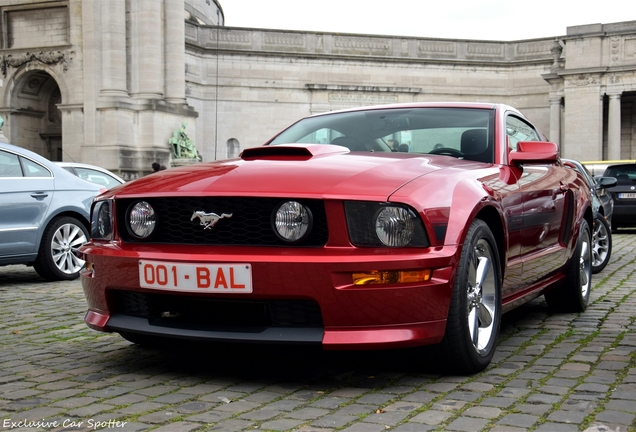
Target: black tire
[(474, 315), (58, 257), (601, 244), (574, 294)]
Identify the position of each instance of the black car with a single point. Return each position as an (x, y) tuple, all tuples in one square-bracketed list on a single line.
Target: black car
[(603, 206), (624, 194)]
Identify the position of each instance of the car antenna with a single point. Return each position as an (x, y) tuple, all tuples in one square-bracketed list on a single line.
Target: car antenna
[(69, 156)]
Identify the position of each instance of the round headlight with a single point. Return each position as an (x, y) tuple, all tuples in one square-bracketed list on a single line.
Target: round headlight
[(292, 221), (394, 226), (142, 219)]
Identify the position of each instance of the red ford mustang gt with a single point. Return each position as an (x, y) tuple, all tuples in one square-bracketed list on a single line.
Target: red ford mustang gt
[(380, 227)]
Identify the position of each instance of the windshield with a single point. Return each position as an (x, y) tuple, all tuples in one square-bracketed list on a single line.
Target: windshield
[(459, 132), (625, 174)]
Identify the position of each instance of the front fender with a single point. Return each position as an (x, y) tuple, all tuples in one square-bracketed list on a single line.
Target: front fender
[(449, 202)]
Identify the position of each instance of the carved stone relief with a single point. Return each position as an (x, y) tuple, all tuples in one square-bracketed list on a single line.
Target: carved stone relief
[(48, 58)]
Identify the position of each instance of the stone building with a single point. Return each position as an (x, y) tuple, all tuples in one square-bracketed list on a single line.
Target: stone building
[(108, 82)]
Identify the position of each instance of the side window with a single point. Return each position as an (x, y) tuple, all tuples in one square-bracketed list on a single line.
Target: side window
[(9, 165), (32, 169), (518, 130)]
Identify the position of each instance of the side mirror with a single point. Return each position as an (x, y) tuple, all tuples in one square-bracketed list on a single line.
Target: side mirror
[(534, 152), (605, 182)]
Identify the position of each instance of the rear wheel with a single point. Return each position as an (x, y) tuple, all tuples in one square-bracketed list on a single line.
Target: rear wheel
[(475, 310), (574, 294), (58, 257), (601, 244)]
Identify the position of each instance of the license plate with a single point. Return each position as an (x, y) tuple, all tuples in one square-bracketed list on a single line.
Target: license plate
[(221, 278), (627, 195)]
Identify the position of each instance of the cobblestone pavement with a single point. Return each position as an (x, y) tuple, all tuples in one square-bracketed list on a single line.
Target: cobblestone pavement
[(552, 372)]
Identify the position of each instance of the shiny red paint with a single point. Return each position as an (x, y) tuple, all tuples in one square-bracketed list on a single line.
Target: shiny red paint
[(523, 204)]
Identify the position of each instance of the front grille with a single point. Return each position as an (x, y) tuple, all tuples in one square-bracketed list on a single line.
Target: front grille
[(250, 224), (198, 312)]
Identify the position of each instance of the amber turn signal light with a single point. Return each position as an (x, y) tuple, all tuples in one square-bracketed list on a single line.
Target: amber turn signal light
[(391, 277)]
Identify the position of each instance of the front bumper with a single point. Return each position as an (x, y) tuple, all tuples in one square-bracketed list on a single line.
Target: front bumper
[(350, 316)]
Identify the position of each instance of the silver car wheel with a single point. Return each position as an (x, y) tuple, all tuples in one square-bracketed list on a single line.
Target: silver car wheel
[(585, 267), (64, 248), (481, 296), (600, 244)]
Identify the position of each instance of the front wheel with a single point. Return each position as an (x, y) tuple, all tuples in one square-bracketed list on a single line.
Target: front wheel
[(474, 316), (574, 294), (58, 257), (601, 244)]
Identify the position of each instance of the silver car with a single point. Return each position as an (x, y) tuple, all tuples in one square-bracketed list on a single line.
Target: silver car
[(93, 174), (44, 213)]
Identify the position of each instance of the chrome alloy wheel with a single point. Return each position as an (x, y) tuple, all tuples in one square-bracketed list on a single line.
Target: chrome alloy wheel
[(600, 244), (585, 266), (65, 246), (481, 296)]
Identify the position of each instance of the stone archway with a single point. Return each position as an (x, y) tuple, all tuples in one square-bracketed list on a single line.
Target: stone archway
[(35, 119)]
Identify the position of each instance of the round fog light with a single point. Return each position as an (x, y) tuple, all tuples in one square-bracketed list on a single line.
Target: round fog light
[(292, 221)]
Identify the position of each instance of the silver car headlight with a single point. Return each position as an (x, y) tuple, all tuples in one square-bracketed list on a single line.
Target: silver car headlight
[(292, 221), (378, 224), (395, 226), (102, 220), (141, 219)]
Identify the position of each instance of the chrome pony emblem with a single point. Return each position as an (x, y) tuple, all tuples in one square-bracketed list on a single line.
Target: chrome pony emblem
[(208, 220)]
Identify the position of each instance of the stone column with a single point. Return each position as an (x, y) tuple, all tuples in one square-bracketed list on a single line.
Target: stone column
[(555, 120), (147, 61), (614, 127), (175, 51), (113, 14), (583, 118)]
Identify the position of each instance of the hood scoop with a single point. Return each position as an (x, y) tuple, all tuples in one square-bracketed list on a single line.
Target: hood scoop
[(291, 151)]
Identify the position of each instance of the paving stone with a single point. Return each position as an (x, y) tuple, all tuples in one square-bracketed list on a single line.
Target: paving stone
[(522, 420), (260, 415), (421, 397), (159, 416), (557, 427), (232, 425), (375, 399), (431, 417), (307, 413), (364, 427), (466, 424), (617, 417), (482, 412), (621, 405), (209, 417), (499, 402), (563, 416), (410, 427), (281, 424), (388, 418), (178, 427), (283, 405), (334, 420)]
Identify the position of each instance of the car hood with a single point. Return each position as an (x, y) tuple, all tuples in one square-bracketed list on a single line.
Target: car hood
[(311, 171)]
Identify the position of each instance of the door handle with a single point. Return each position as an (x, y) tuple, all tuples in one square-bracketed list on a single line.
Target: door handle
[(39, 195)]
